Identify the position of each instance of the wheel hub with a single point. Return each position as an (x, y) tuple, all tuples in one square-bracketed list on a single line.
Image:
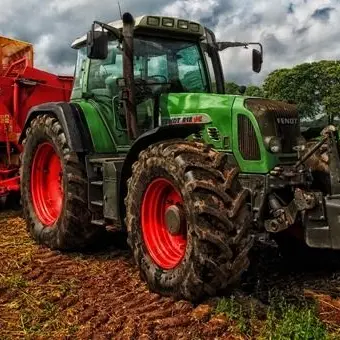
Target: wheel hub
[(46, 184), (163, 223), (174, 219)]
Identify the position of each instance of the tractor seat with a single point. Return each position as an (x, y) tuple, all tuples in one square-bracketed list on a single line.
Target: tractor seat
[(111, 85), (103, 92)]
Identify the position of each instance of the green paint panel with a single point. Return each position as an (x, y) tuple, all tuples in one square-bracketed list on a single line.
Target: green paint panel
[(218, 107), (98, 125), (223, 110), (268, 160)]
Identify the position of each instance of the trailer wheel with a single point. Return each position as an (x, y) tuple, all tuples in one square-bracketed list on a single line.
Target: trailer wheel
[(54, 188), (187, 219)]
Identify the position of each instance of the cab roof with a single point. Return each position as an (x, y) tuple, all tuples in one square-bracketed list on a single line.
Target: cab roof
[(159, 23)]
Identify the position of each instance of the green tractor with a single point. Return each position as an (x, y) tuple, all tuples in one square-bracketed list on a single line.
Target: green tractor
[(146, 147)]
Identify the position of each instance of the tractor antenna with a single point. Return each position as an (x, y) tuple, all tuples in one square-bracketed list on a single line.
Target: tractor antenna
[(120, 10)]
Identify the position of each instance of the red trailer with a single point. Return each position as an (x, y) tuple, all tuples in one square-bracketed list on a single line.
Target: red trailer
[(21, 87)]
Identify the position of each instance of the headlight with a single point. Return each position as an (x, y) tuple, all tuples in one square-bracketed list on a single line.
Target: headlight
[(300, 144), (273, 144)]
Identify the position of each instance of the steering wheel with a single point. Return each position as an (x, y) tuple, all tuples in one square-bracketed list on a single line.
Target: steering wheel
[(140, 84), (159, 76)]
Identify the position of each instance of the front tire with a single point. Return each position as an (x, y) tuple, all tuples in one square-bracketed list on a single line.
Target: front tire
[(54, 188), (188, 220)]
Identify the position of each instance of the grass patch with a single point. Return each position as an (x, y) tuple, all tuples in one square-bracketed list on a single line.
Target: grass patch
[(33, 321), (235, 311), (15, 281), (69, 286), (35, 309), (289, 321), (283, 320)]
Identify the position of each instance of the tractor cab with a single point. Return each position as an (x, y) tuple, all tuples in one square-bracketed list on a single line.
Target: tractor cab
[(165, 56), (160, 66), (177, 53)]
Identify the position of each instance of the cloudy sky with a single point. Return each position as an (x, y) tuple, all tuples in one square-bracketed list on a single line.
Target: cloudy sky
[(291, 32)]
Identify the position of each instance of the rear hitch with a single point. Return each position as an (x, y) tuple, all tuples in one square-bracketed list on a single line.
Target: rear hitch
[(285, 216), (279, 222)]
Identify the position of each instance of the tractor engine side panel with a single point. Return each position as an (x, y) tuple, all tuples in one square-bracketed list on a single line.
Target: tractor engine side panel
[(218, 132)]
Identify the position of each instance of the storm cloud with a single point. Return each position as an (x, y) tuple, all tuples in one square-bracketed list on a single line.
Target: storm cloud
[(322, 13), (292, 32)]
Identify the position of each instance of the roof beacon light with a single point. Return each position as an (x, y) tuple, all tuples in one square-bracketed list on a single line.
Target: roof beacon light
[(183, 24), (153, 21), (194, 27), (168, 22)]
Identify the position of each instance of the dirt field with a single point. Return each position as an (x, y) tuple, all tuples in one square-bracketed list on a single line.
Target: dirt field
[(48, 295)]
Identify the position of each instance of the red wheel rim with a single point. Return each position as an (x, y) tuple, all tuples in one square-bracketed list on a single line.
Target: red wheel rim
[(165, 248), (46, 184)]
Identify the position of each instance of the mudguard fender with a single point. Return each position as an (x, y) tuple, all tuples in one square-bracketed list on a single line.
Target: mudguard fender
[(71, 117), (161, 133)]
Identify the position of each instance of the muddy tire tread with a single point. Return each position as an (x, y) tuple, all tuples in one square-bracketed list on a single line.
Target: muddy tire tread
[(221, 219), (73, 230)]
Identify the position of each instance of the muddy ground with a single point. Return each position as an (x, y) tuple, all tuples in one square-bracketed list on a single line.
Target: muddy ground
[(98, 295)]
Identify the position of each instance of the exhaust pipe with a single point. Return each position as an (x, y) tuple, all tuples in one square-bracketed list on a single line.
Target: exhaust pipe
[(128, 54)]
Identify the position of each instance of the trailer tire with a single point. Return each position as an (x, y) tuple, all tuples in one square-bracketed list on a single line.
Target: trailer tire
[(54, 188), (211, 249)]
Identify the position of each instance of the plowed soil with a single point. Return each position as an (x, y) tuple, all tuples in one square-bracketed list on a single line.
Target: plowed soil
[(98, 295)]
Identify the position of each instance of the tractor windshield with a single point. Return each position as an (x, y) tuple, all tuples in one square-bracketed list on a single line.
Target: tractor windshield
[(160, 65)]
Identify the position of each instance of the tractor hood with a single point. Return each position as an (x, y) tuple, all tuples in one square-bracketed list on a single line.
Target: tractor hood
[(245, 126), (217, 107)]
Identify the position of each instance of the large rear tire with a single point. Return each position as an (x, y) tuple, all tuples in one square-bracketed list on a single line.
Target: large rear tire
[(188, 220), (54, 188)]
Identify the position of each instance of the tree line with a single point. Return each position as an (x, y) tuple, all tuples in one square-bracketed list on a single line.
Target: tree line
[(314, 87)]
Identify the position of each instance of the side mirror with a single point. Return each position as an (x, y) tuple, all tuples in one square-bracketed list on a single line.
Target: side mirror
[(97, 44), (257, 60)]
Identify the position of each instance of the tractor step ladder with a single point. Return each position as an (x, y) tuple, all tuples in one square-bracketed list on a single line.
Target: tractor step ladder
[(96, 187), (96, 192)]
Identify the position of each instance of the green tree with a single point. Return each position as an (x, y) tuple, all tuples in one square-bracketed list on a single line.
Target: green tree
[(254, 91), (312, 86), (232, 88), (331, 102)]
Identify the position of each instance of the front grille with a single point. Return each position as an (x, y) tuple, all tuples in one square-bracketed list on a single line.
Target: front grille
[(214, 134), (276, 118), (247, 141), (287, 132), (198, 136)]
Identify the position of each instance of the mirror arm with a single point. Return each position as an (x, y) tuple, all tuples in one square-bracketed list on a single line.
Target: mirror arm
[(116, 32), (226, 44)]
